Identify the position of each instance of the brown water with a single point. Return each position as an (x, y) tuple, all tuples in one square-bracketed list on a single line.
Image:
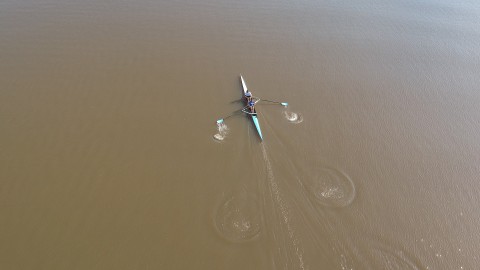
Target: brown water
[(108, 158)]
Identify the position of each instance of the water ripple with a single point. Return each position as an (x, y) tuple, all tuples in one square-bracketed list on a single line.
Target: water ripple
[(238, 218), (331, 187)]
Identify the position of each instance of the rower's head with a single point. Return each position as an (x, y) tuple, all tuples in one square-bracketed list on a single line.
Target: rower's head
[(248, 94), (251, 103)]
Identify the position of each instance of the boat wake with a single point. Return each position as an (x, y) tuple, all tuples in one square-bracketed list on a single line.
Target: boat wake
[(222, 132), (387, 257), (379, 253), (287, 242), (292, 117)]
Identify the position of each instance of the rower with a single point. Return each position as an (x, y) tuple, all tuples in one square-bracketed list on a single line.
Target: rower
[(248, 96), (251, 106)]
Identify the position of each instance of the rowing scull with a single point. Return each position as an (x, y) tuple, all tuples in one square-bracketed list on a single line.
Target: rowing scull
[(254, 114)]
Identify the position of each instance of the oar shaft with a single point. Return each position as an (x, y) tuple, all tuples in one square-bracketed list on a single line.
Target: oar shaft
[(234, 113), (283, 103)]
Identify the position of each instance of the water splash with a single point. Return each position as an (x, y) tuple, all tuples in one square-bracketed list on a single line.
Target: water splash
[(292, 117), (222, 132)]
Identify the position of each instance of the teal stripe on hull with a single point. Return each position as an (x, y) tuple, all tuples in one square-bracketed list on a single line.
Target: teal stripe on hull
[(257, 125)]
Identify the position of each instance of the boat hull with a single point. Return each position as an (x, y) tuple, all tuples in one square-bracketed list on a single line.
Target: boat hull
[(253, 116)]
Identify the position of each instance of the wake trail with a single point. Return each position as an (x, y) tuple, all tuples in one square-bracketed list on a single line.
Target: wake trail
[(282, 213)]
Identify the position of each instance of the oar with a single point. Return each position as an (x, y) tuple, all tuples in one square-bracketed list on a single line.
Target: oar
[(219, 121), (283, 103)]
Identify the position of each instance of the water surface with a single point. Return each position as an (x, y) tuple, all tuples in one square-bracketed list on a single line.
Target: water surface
[(108, 158)]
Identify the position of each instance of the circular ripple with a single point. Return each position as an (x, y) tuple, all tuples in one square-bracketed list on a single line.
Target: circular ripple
[(238, 219), (293, 117), (332, 187)]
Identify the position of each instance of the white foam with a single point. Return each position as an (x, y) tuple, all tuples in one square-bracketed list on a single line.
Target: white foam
[(222, 128), (222, 132), (293, 117), (218, 137)]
